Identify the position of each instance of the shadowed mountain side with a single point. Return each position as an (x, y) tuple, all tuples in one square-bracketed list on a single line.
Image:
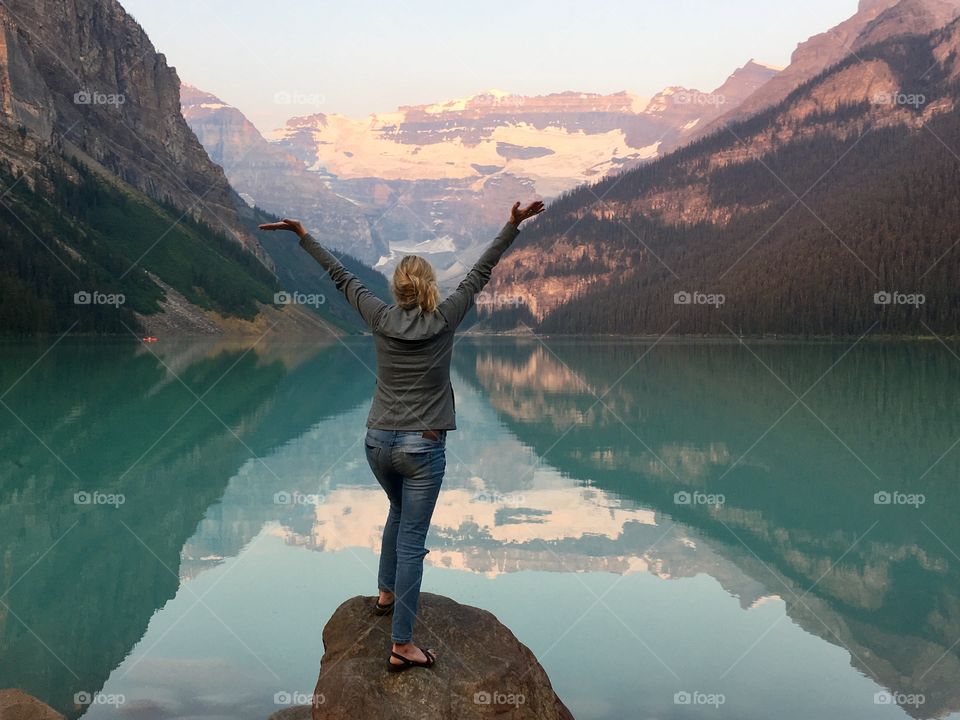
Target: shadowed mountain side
[(169, 456)]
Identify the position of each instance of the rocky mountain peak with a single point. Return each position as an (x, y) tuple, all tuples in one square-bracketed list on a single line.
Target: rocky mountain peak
[(874, 21), (84, 75)]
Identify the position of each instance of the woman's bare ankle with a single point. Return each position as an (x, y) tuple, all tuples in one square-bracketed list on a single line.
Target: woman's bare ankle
[(411, 652)]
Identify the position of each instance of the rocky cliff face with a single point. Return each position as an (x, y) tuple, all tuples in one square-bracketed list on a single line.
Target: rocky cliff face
[(106, 186), (83, 78), (274, 180)]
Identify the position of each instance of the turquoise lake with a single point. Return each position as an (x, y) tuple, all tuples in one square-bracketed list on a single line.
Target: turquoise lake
[(682, 529)]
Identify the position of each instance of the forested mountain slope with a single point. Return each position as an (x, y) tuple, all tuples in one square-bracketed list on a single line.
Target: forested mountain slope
[(805, 219)]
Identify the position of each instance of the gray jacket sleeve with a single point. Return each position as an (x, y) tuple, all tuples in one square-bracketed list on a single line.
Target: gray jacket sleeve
[(363, 301), (455, 307)]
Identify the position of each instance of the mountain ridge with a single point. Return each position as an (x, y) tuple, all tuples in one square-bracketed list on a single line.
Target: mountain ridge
[(874, 21), (686, 223)]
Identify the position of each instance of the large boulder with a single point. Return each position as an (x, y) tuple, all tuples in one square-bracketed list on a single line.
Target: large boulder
[(482, 669), (17, 705)]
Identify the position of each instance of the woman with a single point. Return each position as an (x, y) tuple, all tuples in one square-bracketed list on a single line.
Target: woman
[(413, 408)]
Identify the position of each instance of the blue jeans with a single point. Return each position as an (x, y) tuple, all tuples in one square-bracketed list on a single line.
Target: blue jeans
[(410, 469)]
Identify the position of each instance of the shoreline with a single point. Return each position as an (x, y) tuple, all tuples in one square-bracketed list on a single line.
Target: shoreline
[(767, 337)]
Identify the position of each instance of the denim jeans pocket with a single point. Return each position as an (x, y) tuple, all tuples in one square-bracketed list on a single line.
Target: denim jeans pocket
[(415, 442), (375, 438)]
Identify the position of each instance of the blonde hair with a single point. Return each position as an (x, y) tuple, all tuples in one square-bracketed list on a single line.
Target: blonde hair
[(415, 284)]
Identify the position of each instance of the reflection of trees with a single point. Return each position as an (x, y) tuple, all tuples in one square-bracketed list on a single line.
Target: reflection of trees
[(687, 412), (101, 408)]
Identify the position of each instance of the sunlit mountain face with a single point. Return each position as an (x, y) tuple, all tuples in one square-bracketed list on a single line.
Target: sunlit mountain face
[(435, 179), (683, 466)]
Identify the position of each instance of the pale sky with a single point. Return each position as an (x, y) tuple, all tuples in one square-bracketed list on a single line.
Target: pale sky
[(281, 58)]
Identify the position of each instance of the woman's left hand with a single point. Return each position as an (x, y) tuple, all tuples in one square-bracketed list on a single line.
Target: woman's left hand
[(518, 214), (294, 226)]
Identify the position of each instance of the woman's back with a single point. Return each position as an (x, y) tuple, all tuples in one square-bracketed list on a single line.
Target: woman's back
[(414, 349), (413, 346)]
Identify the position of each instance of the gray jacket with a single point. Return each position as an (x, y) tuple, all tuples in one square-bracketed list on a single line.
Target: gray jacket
[(413, 348)]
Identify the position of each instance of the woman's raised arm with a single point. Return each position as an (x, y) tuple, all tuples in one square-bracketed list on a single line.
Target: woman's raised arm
[(363, 301), (458, 304)]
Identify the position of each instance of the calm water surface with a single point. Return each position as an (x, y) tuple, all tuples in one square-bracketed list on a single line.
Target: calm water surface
[(686, 530)]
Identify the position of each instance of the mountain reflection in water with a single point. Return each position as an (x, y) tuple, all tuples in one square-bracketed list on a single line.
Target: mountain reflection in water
[(573, 457)]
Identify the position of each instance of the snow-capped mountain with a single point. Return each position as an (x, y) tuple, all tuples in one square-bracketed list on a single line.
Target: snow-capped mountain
[(438, 179), (555, 141)]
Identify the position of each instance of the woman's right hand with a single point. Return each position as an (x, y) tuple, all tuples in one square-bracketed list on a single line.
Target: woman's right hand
[(294, 226)]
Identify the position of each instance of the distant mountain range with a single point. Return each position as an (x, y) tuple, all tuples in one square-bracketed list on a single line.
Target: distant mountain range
[(437, 179), (555, 141), (835, 211)]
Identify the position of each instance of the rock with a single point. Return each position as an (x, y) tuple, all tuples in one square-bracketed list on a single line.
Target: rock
[(482, 669), (17, 705)]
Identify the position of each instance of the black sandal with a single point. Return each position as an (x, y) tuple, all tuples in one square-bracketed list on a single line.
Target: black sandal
[(379, 609), (408, 663)]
